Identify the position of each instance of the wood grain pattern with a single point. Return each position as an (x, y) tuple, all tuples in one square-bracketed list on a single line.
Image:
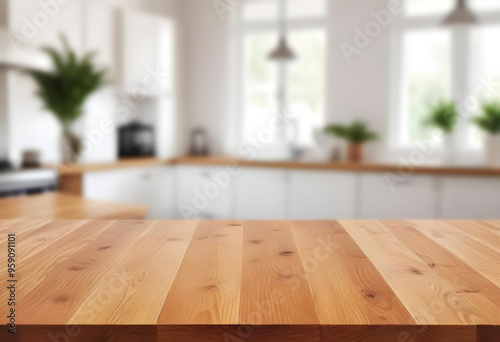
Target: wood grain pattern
[(352, 292), (477, 255), (274, 288), (79, 275), (254, 281), (60, 206), (207, 287), (473, 287), (413, 281), (154, 263)]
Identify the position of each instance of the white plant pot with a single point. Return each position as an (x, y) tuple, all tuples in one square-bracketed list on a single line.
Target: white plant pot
[(492, 150)]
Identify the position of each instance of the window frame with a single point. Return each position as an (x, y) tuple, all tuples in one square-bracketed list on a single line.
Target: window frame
[(461, 81), (244, 28)]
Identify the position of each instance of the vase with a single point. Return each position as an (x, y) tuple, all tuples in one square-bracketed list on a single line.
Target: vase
[(355, 152), (492, 150), (449, 151), (70, 146)]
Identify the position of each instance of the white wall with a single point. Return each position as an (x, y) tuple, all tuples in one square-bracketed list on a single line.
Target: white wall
[(207, 72), (360, 89)]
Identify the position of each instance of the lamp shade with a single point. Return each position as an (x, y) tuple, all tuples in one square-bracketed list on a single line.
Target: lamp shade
[(461, 15), (282, 52)]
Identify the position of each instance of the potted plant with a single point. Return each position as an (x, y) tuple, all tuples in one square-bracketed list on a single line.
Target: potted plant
[(65, 89), (356, 134), (444, 116), (489, 121)]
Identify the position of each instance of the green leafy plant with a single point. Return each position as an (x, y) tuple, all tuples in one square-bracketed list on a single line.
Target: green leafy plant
[(489, 121), (444, 116), (356, 133), (65, 89)]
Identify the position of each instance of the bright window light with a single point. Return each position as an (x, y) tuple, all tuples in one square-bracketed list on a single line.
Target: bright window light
[(258, 10), (428, 7), (305, 8), (426, 79), (260, 82), (307, 81), (484, 5)]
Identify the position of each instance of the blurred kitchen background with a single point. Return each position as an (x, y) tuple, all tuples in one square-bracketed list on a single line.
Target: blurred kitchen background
[(250, 109)]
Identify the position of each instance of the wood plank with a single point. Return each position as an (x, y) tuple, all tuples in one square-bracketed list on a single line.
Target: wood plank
[(492, 226), (370, 333), (64, 289), (473, 287), (33, 241), (428, 298), (480, 257), (476, 231), (239, 333), (31, 273), (207, 287), (86, 333), (154, 263), (20, 227), (347, 288), (274, 285)]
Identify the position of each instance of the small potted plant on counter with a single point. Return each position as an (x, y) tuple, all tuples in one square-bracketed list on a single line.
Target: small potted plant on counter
[(356, 135), (444, 116), (64, 91), (489, 121)]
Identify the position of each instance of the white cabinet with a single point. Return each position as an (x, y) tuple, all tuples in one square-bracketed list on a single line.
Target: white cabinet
[(470, 198), (148, 53), (322, 195), (413, 197), (149, 186), (203, 193), (261, 194)]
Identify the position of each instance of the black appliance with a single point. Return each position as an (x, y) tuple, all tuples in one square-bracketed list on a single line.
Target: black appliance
[(136, 140)]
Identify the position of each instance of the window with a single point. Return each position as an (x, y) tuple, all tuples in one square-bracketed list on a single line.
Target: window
[(302, 80), (428, 7), (444, 63), (260, 81), (426, 55)]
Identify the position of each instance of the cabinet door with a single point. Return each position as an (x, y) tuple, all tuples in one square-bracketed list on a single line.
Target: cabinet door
[(413, 197), (147, 47), (154, 188), (320, 195), (470, 198), (115, 185), (147, 186), (203, 193), (261, 194)]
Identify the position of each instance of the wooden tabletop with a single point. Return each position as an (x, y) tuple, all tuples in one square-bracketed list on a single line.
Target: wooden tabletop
[(63, 206), (254, 280)]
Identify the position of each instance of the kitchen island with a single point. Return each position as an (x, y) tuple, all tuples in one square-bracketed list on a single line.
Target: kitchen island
[(184, 281), (59, 206)]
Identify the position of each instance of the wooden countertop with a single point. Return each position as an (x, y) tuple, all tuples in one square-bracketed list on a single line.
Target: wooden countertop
[(63, 206), (78, 169), (255, 280)]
